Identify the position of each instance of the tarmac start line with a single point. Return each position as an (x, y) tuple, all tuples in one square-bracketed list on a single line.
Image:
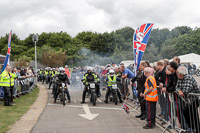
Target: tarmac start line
[(88, 115)]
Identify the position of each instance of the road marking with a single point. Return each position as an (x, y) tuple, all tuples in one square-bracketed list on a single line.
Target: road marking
[(87, 100), (99, 100), (76, 106), (88, 115)]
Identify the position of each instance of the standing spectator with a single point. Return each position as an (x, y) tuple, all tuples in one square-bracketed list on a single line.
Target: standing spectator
[(130, 67), (113, 64), (166, 62), (172, 80), (148, 64), (177, 60), (151, 97), (118, 73), (126, 73), (189, 68), (170, 86), (160, 82), (31, 68), (23, 72), (6, 83), (141, 78), (13, 86), (18, 73), (67, 72), (187, 84)]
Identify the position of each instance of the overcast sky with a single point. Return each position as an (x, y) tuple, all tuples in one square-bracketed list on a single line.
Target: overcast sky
[(73, 16)]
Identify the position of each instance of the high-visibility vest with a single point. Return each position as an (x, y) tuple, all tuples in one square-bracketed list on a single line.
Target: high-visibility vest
[(1, 80), (153, 95), (5, 79), (112, 81), (46, 73), (52, 74), (56, 72), (13, 78)]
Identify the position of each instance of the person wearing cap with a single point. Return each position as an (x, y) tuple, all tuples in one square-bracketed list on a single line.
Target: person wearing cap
[(112, 79), (151, 96), (67, 71), (113, 64)]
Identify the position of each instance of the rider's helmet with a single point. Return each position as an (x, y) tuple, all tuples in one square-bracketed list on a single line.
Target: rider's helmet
[(111, 72), (62, 70), (89, 70)]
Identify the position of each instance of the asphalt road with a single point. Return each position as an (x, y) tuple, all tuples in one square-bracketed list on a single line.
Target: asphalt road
[(106, 118)]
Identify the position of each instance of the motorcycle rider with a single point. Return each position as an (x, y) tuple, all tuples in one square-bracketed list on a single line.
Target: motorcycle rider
[(55, 85), (46, 72), (89, 76), (63, 78), (112, 79), (52, 74)]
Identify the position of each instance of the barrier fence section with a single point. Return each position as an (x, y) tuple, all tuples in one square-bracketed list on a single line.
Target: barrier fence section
[(180, 113), (21, 86)]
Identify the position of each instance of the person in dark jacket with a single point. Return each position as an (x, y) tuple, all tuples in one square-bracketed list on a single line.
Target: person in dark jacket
[(62, 77), (170, 86), (172, 79), (141, 78), (160, 80)]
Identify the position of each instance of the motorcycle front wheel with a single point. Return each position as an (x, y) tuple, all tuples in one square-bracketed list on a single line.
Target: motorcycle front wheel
[(63, 97)]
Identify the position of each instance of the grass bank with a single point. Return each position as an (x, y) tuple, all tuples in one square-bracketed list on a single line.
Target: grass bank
[(10, 114)]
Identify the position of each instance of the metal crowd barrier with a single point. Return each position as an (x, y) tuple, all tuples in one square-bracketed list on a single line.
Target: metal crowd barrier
[(21, 86), (123, 86), (180, 113)]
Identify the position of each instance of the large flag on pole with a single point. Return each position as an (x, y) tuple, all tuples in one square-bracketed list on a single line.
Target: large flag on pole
[(140, 40), (7, 60)]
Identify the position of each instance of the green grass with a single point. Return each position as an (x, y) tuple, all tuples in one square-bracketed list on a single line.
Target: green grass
[(10, 114)]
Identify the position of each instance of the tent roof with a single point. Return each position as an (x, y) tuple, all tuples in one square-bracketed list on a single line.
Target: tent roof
[(190, 58)]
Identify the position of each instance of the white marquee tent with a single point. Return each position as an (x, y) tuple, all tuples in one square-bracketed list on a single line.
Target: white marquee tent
[(191, 58)]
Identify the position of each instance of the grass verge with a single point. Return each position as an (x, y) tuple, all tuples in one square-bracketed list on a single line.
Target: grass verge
[(10, 114)]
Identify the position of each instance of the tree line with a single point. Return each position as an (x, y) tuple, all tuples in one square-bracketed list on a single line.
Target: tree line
[(90, 48)]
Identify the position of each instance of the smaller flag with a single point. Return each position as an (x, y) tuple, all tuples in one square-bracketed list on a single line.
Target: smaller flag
[(126, 108)]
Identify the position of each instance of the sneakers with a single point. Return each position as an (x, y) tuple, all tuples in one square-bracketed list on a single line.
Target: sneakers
[(106, 101)]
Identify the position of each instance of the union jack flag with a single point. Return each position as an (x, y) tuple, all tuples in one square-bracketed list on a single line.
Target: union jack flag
[(9, 43), (126, 108), (7, 60), (140, 40)]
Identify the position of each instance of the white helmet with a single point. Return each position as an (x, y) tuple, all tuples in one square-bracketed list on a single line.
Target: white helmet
[(61, 69), (111, 72), (89, 69)]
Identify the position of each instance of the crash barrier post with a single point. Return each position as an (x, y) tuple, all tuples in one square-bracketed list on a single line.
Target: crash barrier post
[(180, 113), (21, 86)]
